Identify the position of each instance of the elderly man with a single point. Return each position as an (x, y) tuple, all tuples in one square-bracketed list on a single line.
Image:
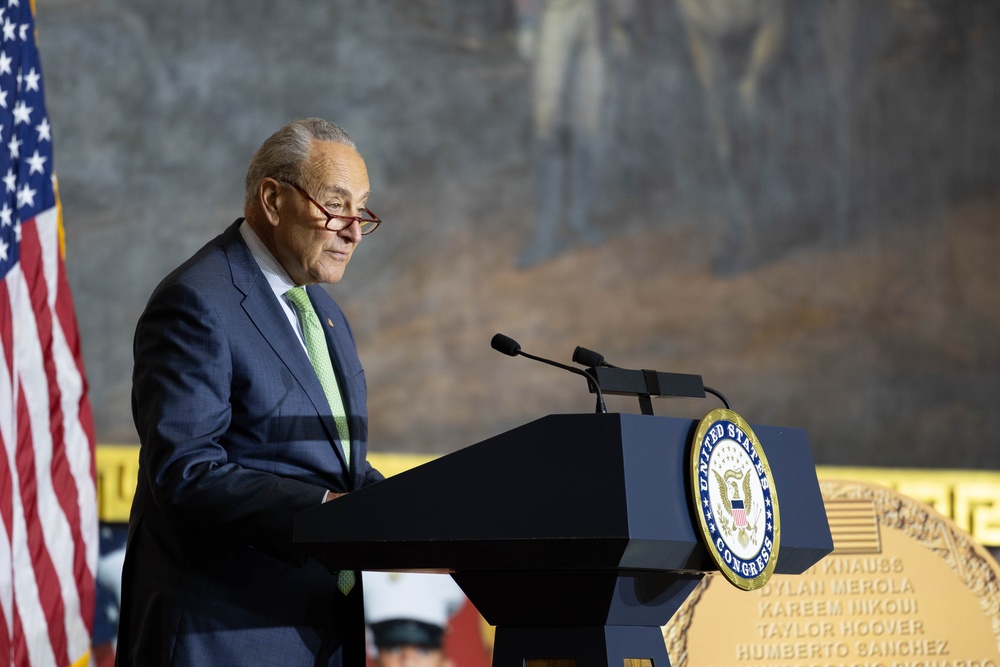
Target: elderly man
[(249, 400)]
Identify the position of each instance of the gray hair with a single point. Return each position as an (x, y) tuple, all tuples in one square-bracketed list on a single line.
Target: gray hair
[(284, 153)]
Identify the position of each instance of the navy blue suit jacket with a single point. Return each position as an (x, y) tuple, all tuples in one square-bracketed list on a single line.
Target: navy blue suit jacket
[(236, 437)]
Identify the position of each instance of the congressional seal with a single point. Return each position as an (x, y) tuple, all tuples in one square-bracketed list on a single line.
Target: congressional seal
[(735, 499)]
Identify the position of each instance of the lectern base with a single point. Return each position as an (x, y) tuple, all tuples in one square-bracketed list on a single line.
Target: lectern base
[(598, 646)]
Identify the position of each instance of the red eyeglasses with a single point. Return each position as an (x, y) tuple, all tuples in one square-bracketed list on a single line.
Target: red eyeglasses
[(368, 224)]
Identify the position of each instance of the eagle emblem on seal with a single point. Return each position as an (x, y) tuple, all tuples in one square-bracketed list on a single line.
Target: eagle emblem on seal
[(736, 507)]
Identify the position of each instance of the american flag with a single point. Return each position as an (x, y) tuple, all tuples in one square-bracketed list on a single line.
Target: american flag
[(739, 513), (48, 500)]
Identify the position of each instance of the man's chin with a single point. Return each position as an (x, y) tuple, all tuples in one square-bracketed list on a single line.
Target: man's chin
[(329, 275)]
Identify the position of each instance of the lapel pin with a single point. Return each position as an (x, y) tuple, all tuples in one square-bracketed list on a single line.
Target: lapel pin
[(330, 322)]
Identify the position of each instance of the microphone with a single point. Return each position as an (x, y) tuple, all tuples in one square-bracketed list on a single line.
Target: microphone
[(665, 384), (589, 358), (512, 348)]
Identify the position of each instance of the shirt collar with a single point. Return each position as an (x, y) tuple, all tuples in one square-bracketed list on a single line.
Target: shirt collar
[(276, 276)]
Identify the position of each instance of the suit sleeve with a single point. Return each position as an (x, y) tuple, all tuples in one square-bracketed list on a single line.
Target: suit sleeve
[(182, 386), (370, 475)]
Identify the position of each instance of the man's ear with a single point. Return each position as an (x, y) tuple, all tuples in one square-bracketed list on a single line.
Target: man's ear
[(268, 194)]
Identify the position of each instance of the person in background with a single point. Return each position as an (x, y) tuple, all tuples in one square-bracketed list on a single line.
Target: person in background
[(407, 616)]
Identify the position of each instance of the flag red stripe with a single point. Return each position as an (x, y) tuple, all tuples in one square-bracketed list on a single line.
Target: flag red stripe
[(6, 481), (7, 514), (6, 484), (49, 592), (6, 650), (20, 646), (6, 327), (67, 319), (63, 483)]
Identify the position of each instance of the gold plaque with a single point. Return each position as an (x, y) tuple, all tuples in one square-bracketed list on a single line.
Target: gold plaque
[(904, 587)]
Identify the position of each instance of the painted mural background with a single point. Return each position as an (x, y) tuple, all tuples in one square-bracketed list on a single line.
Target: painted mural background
[(799, 200)]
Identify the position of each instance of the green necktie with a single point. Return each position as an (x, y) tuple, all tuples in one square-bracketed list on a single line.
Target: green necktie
[(319, 355)]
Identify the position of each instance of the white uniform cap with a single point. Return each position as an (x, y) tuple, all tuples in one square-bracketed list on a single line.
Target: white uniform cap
[(428, 598)]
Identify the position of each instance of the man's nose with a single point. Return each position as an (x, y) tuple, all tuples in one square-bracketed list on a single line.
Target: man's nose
[(352, 231)]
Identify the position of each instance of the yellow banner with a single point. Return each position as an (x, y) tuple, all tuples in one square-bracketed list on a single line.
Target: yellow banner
[(970, 498)]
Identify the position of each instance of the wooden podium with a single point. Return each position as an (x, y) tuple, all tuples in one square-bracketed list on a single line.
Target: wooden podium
[(572, 534)]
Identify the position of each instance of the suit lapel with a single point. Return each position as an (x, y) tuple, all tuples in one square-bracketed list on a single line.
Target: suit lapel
[(265, 312)]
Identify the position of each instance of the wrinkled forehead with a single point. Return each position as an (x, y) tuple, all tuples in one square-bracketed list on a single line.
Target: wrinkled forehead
[(335, 168)]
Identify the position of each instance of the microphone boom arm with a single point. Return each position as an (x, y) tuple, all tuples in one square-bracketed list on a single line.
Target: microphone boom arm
[(592, 383), (510, 347)]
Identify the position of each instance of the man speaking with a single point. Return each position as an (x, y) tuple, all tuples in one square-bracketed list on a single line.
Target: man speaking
[(249, 400)]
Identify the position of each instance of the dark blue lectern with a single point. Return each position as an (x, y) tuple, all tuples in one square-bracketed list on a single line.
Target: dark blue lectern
[(572, 534)]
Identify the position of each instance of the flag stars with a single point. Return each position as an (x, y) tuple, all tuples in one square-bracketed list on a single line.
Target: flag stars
[(8, 30), (43, 128), (31, 80), (10, 180), (26, 196), (5, 215), (5, 62), (24, 31), (3, 250), (14, 145), (22, 112), (36, 163), (3, 98)]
